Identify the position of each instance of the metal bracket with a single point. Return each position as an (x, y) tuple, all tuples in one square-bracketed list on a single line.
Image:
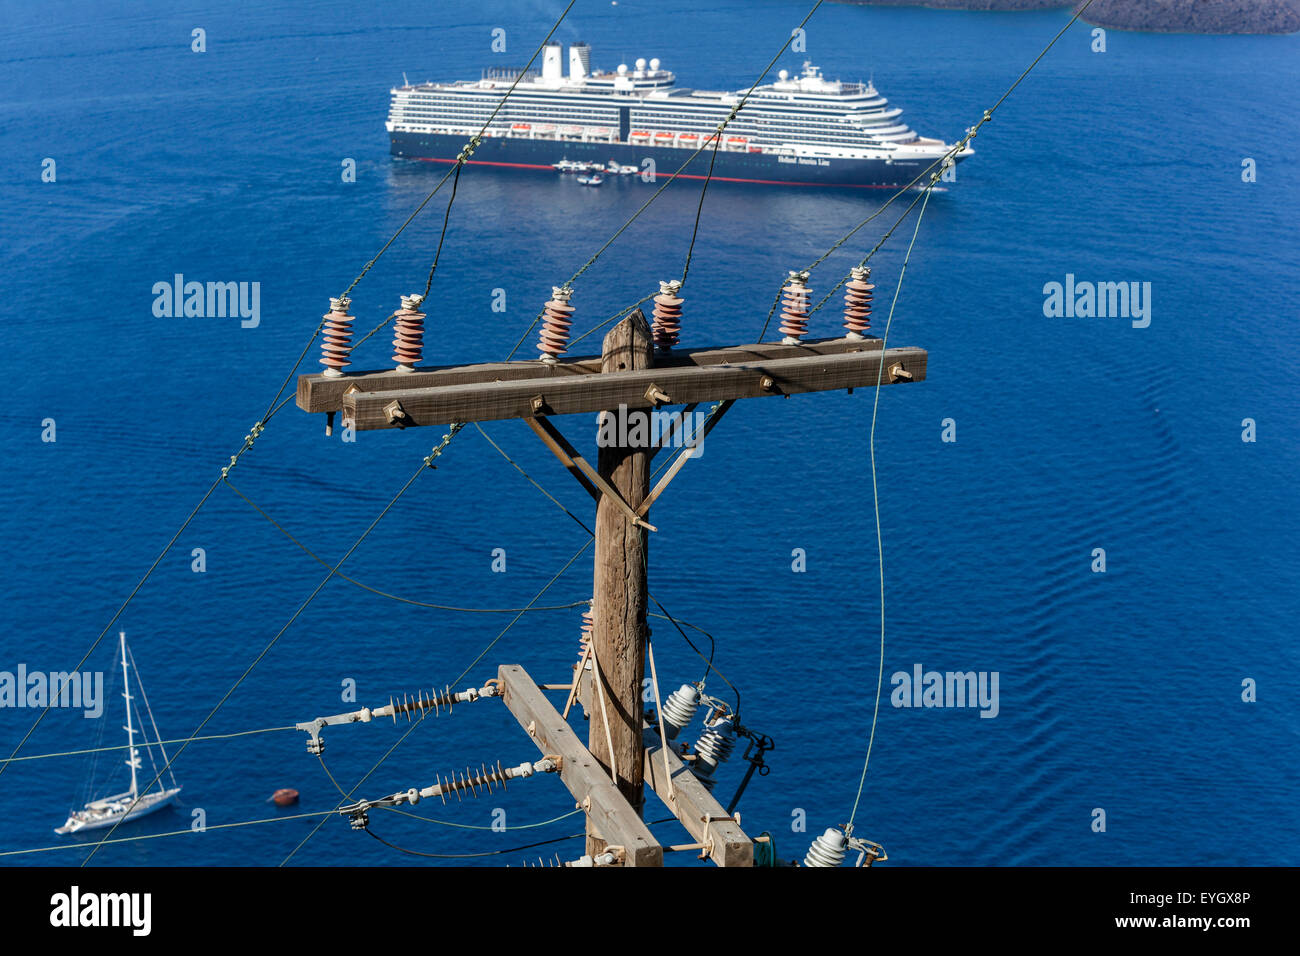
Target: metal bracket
[(656, 395), (899, 374), (869, 851), (396, 414)]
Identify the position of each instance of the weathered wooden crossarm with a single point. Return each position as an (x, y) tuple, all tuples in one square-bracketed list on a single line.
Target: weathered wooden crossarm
[(699, 812), (576, 394), (611, 815), (324, 393), (695, 807)]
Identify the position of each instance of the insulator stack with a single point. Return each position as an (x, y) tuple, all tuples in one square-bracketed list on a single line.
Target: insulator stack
[(408, 333), (827, 849), (557, 317), (713, 748), (857, 301), (336, 344), (679, 709), (471, 781), (667, 315), (434, 701), (794, 308), (588, 626)]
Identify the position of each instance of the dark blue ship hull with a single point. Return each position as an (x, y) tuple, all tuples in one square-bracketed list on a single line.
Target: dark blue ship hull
[(731, 166)]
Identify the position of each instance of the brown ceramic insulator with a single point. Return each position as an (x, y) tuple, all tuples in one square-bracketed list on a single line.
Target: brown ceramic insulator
[(408, 333), (336, 344), (588, 625), (857, 301), (667, 315), (794, 307), (557, 318)]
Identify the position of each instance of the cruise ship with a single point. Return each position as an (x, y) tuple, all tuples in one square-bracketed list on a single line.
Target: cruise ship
[(800, 130)]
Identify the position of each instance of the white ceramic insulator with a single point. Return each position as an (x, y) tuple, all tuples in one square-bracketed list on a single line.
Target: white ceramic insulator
[(679, 709), (827, 849), (713, 747)]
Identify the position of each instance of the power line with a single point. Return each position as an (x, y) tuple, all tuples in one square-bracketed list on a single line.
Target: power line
[(394, 597), (446, 823), (943, 160), (273, 408), (875, 494), (717, 139), (156, 836), (577, 554), (257, 428), (469, 148), (671, 179), (446, 216), (471, 826), (147, 744), (427, 463), (515, 849), (676, 622)]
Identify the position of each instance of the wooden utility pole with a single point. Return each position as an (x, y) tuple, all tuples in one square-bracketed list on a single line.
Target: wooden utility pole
[(619, 590), (624, 753)]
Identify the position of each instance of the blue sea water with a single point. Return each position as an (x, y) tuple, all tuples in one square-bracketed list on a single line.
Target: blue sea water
[(1119, 690)]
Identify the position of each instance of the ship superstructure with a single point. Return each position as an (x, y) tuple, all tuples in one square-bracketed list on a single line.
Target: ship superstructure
[(804, 129)]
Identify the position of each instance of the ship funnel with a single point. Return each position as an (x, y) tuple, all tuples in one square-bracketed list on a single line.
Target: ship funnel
[(579, 61), (552, 68)]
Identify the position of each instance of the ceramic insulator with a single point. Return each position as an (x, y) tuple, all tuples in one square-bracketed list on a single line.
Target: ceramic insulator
[(408, 333), (336, 345), (857, 301), (827, 849), (588, 625), (712, 749), (679, 709), (794, 308), (557, 317), (667, 315)]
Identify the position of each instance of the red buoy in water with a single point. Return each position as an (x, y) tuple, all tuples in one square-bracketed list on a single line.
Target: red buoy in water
[(284, 798)]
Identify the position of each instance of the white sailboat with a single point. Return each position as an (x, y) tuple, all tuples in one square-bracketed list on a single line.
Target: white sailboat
[(131, 804)]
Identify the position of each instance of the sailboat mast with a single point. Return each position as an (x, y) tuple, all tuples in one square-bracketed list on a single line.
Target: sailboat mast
[(130, 731)]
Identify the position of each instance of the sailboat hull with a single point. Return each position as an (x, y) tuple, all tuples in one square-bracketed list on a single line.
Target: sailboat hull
[(106, 813)]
